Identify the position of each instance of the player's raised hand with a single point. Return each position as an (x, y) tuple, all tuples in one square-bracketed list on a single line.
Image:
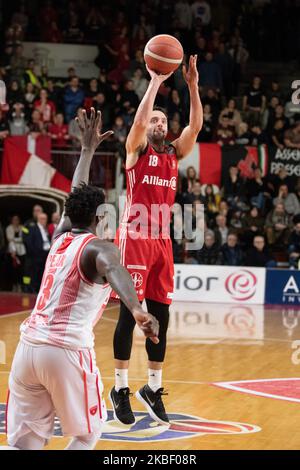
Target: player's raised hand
[(90, 129), (159, 77), (147, 323), (191, 75)]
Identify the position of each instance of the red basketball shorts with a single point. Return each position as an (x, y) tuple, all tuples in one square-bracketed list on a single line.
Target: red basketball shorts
[(150, 263)]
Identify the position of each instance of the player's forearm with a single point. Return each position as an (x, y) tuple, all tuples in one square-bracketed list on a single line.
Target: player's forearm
[(82, 171), (121, 282), (196, 110), (145, 108)]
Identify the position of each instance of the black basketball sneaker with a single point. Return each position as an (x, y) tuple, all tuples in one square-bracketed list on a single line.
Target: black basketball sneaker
[(153, 403), (121, 405)]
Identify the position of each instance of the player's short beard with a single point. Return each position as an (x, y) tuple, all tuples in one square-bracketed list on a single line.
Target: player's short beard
[(153, 138)]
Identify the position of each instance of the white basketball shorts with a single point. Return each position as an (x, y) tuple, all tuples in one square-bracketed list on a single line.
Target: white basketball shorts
[(46, 381)]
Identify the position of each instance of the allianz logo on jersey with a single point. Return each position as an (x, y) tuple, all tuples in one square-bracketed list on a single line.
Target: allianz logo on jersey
[(157, 181)]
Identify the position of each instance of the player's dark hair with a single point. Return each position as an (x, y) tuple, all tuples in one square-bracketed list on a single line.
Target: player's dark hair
[(162, 110), (82, 203)]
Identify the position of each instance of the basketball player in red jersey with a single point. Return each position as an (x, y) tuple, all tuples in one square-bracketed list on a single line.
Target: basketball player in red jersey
[(54, 369), (151, 171)]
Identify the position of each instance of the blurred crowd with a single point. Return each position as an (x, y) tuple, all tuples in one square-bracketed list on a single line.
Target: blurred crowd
[(246, 221), (223, 34), (250, 222)]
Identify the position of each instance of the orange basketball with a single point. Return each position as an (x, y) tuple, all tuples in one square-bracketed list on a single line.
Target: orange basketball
[(163, 54)]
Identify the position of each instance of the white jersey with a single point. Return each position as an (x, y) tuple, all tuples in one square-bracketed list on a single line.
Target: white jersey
[(68, 305)]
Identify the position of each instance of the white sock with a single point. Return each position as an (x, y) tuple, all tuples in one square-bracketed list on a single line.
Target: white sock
[(121, 379), (154, 379)]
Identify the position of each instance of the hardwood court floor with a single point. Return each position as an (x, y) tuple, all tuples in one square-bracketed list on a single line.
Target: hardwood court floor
[(208, 344)]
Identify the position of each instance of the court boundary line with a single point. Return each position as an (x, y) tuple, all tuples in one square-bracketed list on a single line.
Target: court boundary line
[(230, 385)]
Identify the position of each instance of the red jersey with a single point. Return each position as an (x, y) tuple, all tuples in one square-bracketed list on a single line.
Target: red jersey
[(151, 182)]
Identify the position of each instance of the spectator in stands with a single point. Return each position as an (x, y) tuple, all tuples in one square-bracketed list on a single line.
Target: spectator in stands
[(281, 178), (18, 63), (206, 133), (38, 246), (73, 131), (277, 115), (292, 137), (183, 19), (29, 97), (221, 230), (36, 125), (224, 208), (91, 92), (233, 114), (100, 104), (45, 106), (201, 12), (268, 117), (120, 135), (233, 188), (94, 24), (243, 134), (200, 48), (58, 131), (137, 62), (14, 93), (17, 121), (289, 200), (232, 253), (213, 100), (73, 98), (254, 102), (30, 75), (55, 217), (277, 225), (17, 251), (257, 189), (275, 91), (140, 83), (44, 77), (209, 254), (194, 194), (292, 112), (53, 33), (259, 255), (294, 247), (226, 64), (21, 17), (235, 221), (140, 39), (73, 32), (240, 56), (210, 73), (253, 224), (4, 126), (46, 15), (258, 136), (36, 210), (174, 130), (187, 182), (71, 72), (211, 201), (120, 130), (225, 134), (277, 134), (174, 104)]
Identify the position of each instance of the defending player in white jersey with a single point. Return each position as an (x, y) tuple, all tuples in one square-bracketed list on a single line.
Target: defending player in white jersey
[(54, 370)]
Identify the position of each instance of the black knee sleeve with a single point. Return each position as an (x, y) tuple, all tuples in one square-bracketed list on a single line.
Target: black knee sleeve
[(156, 352), (123, 334)]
